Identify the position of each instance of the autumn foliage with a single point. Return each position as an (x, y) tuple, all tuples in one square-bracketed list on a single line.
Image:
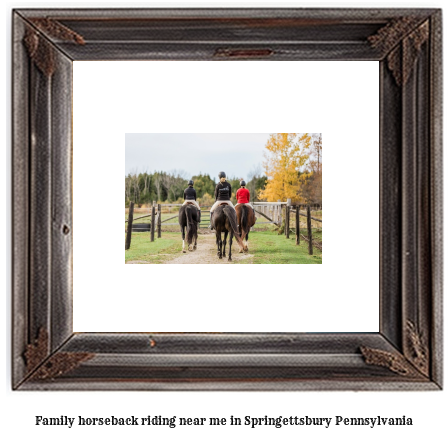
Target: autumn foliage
[(293, 166)]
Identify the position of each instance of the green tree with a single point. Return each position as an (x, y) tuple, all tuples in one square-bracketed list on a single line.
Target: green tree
[(203, 184)]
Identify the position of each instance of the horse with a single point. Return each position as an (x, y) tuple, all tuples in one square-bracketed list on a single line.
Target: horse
[(246, 219), (188, 218), (224, 221)]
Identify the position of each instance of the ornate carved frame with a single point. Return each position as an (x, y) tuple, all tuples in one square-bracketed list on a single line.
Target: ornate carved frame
[(406, 354)]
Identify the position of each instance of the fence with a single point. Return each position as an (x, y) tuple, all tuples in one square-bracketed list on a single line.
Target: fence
[(280, 215)]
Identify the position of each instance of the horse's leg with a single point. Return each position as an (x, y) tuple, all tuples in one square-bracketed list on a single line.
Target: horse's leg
[(220, 246), (252, 220), (190, 245), (230, 246), (242, 239), (219, 243), (195, 244), (225, 243), (182, 228)]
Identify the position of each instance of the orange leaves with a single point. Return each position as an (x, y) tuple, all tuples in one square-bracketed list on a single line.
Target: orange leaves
[(285, 155)]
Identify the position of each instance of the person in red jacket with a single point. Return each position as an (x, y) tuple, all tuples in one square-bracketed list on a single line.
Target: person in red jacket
[(243, 195)]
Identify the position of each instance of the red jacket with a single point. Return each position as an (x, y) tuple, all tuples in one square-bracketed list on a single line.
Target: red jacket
[(242, 196)]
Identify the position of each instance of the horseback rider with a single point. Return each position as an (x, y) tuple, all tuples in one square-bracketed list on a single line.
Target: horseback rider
[(243, 195), (190, 197), (223, 193)]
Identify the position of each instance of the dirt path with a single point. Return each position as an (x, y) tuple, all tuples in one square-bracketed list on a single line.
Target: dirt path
[(206, 252)]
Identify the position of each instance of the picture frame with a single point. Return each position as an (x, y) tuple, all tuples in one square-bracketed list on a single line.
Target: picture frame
[(406, 353)]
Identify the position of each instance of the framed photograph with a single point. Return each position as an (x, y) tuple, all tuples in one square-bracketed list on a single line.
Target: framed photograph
[(183, 342), (180, 186)]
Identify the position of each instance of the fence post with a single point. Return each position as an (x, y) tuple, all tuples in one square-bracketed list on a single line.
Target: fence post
[(298, 224), (310, 234), (153, 220), (159, 220), (280, 213), (287, 219), (127, 245)]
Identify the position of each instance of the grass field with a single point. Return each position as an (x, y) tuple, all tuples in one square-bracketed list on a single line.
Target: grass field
[(265, 244), (271, 248), (267, 247), (159, 251)]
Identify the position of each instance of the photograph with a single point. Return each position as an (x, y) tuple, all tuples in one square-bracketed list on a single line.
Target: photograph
[(223, 198)]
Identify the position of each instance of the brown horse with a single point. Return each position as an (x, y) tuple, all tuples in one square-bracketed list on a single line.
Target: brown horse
[(188, 219), (246, 219), (224, 221)]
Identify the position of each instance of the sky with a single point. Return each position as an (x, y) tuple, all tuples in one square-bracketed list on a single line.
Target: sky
[(236, 154)]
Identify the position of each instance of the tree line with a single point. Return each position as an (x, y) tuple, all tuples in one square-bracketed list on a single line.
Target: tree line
[(168, 187), (292, 169)]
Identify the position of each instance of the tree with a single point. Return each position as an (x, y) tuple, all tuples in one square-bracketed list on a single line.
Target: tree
[(310, 181), (235, 183), (285, 156), (255, 183), (174, 183), (206, 200), (203, 184), (310, 187), (157, 179)]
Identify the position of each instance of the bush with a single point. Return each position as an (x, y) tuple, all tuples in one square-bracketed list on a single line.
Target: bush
[(206, 200)]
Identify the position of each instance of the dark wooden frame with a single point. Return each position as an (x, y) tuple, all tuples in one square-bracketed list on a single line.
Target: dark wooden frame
[(406, 354)]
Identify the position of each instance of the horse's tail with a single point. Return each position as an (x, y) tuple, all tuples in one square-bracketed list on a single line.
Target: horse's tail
[(231, 215), (192, 225), (243, 218)]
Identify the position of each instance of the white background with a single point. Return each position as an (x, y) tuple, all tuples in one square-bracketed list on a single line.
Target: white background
[(428, 410), (113, 98)]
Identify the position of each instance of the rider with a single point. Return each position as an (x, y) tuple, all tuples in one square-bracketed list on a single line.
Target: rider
[(223, 193), (190, 196), (243, 195)]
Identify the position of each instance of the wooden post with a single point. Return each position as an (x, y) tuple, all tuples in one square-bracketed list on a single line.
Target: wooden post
[(153, 220), (287, 211), (298, 224), (280, 213), (127, 245), (159, 220), (310, 234)]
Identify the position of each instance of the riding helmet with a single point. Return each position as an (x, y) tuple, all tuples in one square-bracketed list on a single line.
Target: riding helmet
[(190, 183), (222, 175), (242, 183)]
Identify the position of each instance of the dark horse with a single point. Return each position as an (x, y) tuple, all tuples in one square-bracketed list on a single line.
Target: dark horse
[(224, 221), (188, 218), (246, 219)]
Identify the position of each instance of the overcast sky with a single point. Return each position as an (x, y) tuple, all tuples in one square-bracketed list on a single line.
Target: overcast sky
[(235, 154)]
